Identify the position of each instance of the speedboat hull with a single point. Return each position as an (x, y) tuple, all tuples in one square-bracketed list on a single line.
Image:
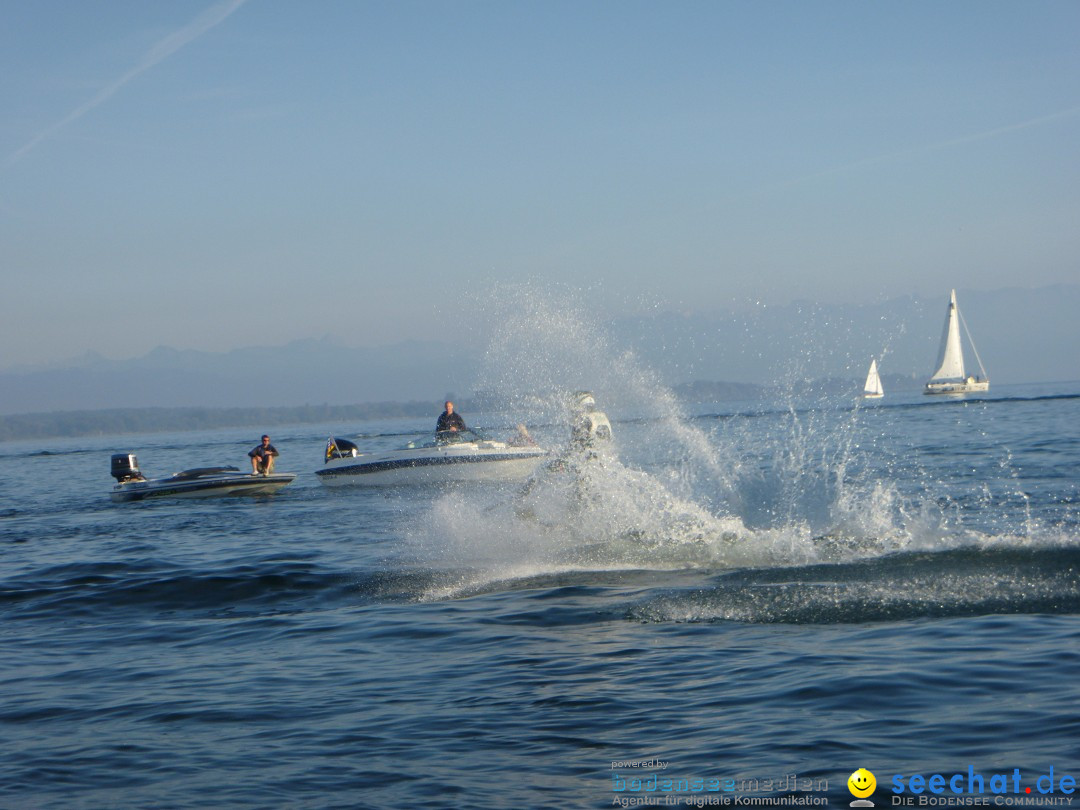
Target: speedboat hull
[(441, 463), (206, 485)]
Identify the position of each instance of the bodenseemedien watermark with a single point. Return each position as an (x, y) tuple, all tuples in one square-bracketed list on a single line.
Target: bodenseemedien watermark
[(643, 782)]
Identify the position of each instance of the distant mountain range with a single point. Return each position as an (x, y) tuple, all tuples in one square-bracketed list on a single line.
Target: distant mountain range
[(299, 373), (1022, 336)]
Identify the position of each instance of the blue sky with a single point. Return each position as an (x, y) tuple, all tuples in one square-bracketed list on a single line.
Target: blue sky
[(213, 175)]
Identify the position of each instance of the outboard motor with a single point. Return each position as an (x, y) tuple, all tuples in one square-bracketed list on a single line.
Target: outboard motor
[(125, 467), (340, 448)]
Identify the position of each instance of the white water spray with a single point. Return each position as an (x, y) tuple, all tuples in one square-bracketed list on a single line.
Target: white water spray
[(801, 483)]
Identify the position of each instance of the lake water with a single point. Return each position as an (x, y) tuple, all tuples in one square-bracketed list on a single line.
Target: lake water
[(753, 601)]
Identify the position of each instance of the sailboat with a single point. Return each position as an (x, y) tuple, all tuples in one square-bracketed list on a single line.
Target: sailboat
[(950, 377), (873, 389)]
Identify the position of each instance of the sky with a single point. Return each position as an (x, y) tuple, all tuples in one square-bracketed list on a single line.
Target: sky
[(214, 175)]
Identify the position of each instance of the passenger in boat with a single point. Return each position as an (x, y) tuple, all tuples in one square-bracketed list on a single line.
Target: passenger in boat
[(449, 420), (521, 438), (262, 457)]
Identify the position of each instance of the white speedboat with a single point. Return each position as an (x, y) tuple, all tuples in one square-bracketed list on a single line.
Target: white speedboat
[(447, 457), (201, 482)]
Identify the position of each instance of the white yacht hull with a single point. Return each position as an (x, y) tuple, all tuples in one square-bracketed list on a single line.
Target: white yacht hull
[(969, 386)]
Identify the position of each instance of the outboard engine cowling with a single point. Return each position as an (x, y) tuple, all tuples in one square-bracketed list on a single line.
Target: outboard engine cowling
[(340, 448), (125, 467)]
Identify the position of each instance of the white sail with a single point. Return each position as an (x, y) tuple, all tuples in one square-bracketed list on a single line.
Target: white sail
[(873, 387), (950, 377), (951, 355)]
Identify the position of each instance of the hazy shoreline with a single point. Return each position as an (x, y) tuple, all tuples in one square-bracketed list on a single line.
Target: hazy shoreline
[(119, 421)]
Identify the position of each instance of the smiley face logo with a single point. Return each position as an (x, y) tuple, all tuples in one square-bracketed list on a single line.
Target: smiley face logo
[(861, 783)]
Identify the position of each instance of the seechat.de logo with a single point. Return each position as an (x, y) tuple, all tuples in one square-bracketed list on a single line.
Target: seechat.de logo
[(861, 784)]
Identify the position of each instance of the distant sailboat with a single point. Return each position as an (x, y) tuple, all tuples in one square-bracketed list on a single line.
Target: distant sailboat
[(873, 389), (950, 377)]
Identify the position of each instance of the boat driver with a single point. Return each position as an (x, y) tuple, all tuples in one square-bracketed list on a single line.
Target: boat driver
[(450, 421), (262, 457), (590, 439), (591, 428)]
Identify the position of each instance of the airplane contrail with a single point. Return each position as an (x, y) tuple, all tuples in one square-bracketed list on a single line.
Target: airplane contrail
[(978, 136), (933, 147), (1034, 122), (162, 50)]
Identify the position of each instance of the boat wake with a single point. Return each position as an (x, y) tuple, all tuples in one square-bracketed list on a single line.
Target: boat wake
[(953, 583), (621, 520)]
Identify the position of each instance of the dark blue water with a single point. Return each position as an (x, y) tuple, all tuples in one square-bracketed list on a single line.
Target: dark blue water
[(752, 592)]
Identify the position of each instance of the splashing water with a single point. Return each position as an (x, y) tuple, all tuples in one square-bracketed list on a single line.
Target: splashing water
[(795, 485)]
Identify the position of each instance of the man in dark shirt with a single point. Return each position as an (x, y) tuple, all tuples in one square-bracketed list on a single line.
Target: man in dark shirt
[(449, 420), (262, 457)]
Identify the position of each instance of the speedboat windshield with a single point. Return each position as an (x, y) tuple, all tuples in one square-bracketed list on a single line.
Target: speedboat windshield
[(457, 436), (443, 437)]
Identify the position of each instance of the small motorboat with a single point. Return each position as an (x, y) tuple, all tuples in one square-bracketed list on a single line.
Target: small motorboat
[(449, 456), (201, 482)]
